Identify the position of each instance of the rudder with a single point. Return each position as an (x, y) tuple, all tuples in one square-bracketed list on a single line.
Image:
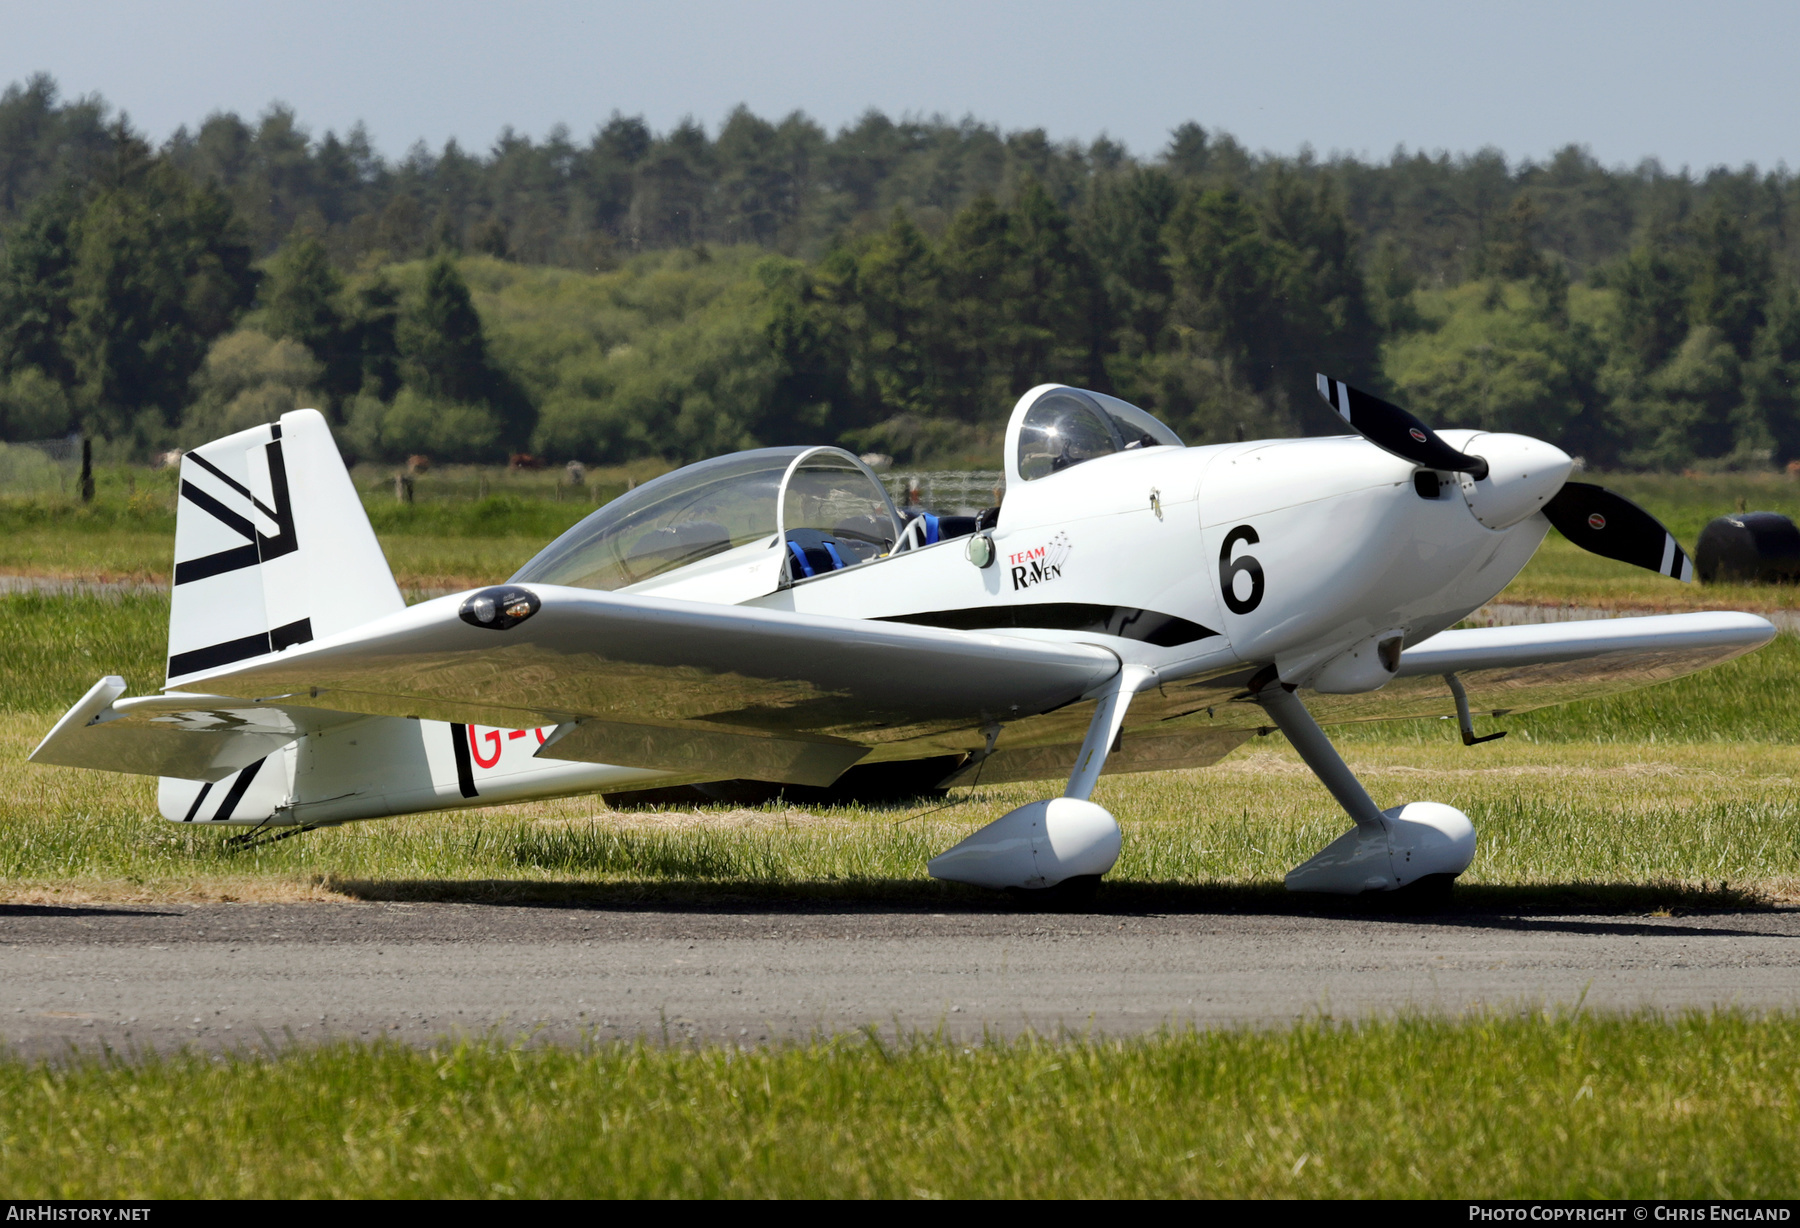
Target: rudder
[(272, 548)]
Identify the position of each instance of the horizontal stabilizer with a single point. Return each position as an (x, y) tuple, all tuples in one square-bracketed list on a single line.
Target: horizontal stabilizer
[(194, 737)]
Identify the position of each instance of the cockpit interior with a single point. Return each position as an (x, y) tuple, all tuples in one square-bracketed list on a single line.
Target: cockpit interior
[(773, 517)]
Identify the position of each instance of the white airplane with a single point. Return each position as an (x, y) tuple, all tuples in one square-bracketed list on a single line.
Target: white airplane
[(769, 616)]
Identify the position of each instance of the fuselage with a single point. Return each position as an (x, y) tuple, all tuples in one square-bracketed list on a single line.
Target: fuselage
[(1289, 552), (1323, 558)]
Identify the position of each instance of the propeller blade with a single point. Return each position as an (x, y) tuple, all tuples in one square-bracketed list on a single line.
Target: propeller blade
[(1614, 527), (1390, 427)]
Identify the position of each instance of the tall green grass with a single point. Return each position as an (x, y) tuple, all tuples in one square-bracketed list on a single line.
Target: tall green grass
[(1485, 1107), (53, 648), (1606, 823)]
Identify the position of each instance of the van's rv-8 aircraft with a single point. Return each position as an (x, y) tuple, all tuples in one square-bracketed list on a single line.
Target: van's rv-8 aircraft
[(769, 616)]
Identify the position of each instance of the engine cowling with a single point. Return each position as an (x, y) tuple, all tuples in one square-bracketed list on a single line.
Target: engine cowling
[(1523, 475)]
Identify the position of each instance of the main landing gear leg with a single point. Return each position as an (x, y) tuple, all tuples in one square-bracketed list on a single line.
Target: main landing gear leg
[(1420, 842), (1066, 841)]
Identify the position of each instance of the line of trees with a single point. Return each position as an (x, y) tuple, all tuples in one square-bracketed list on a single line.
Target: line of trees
[(893, 285)]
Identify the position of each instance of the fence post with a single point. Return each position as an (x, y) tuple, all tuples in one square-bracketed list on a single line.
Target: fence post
[(87, 470)]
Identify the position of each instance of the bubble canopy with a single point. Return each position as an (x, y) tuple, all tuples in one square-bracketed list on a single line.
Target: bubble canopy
[(1065, 427), (720, 506)]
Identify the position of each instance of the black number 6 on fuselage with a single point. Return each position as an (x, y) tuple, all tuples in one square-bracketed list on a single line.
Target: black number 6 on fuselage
[(1230, 567)]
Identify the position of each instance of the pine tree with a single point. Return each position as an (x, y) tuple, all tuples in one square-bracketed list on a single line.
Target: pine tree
[(160, 270), (301, 301), (443, 351), (34, 291)]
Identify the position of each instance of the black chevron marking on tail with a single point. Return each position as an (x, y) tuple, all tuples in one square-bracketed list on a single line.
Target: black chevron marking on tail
[(239, 787), (258, 547), (198, 798), (215, 656)]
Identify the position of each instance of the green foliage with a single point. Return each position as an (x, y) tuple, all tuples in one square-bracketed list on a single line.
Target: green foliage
[(116, 291), (440, 338), (936, 339), (302, 301), (1732, 275), (1493, 355), (159, 270), (444, 361), (928, 274), (1773, 377), (249, 379), (1652, 287), (448, 430), (1271, 291), (33, 406), (667, 355), (34, 292)]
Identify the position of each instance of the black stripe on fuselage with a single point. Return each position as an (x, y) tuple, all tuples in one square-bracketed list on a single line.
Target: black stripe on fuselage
[(1145, 626), (465, 770)]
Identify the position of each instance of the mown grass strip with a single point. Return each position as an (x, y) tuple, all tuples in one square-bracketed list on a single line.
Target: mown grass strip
[(1561, 825), (1504, 1106)]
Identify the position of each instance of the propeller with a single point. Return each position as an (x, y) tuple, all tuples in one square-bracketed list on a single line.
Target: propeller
[(1614, 527), (1390, 427), (1590, 516)]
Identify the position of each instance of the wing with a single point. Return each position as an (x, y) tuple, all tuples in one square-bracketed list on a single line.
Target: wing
[(1503, 669), (655, 682), (1194, 722)]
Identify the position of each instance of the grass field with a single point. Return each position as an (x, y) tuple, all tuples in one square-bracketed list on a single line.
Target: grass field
[(1522, 1106)]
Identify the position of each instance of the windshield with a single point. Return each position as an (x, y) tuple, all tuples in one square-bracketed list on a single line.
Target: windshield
[(680, 518), (1066, 427), (1136, 427), (833, 495)]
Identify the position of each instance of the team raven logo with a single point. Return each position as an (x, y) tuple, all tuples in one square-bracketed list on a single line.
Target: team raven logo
[(1039, 565)]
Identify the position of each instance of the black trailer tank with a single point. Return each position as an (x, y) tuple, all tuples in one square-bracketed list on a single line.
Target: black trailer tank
[(1749, 547)]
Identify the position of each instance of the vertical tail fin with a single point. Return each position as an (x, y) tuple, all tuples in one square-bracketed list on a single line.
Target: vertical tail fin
[(272, 548)]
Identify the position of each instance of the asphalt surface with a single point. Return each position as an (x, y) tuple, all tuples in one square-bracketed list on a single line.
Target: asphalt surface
[(248, 975)]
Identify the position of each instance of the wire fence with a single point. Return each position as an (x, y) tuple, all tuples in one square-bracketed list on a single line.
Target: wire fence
[(41, 466), (946, 492)]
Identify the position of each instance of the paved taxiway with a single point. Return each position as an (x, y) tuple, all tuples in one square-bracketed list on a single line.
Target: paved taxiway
[(229, 975)]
